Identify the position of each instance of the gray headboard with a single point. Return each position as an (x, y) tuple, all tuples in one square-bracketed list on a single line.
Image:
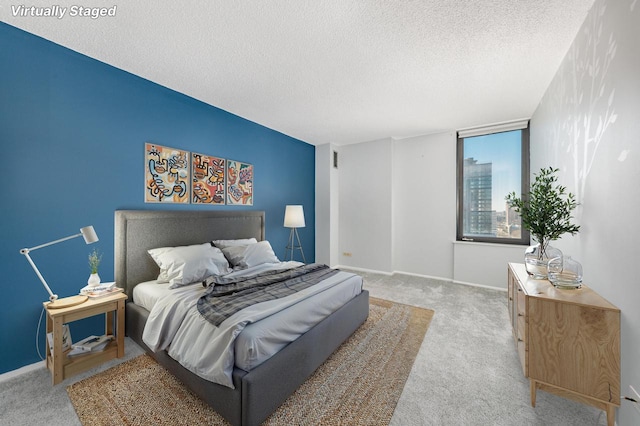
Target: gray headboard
[(137, 231)]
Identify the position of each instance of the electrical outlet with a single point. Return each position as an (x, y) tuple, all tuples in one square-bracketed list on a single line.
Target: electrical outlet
[(635, 395), (346, 253)]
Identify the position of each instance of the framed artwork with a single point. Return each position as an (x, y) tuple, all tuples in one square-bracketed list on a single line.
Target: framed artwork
[(166, 174), (207, 181), (239, 183)]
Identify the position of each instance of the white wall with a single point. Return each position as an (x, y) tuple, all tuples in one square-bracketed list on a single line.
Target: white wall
[(397, 213), (365, 200), (484, 264), (424, 226), (326, 214), (588, 124)]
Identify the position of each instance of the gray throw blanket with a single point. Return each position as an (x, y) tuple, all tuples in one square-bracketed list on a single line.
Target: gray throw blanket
[(229, 295)]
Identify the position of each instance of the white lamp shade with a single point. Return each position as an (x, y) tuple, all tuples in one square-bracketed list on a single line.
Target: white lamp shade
[(89, 234), (294, 217)]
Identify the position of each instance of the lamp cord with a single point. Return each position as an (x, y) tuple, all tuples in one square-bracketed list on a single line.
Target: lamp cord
[(38, 334)]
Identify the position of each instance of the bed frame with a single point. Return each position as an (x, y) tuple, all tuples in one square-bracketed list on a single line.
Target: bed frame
[(262, 390)]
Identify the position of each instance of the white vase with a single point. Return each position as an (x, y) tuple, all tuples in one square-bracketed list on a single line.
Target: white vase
[(94, 280)]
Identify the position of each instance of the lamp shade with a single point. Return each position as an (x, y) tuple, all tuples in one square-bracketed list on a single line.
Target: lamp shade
[(89, 234), (294, 217)]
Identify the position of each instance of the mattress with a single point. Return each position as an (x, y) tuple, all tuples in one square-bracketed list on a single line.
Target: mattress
[(148, 293), (260, 340)]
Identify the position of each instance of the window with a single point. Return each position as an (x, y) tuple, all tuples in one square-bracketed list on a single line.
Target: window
[(492, 162)]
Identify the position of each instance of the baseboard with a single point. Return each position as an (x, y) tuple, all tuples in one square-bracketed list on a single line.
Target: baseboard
[(490, 287), (372, 271), (431, 277), (449, 280), (22, 370)]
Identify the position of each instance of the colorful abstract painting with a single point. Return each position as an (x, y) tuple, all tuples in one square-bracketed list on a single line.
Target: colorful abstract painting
[(166, 174), (239, 183), (207, 182)]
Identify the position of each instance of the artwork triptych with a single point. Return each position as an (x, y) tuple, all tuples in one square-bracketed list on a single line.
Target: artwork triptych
[(176, 176)]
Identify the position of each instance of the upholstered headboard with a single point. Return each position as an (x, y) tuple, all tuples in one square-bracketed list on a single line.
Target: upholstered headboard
[(137, 231)]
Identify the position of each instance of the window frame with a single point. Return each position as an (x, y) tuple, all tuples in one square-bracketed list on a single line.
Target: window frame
[(525, 238)]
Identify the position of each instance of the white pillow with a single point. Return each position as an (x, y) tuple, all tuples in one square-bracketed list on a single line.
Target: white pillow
[(243, 257), (217, 256), (232, 243), (188, 264)]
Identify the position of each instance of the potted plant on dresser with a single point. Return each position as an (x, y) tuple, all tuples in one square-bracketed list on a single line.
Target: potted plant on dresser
[(546, 213)]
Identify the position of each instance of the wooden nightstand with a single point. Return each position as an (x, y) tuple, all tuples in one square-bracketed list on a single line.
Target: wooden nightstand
[(62, 366)]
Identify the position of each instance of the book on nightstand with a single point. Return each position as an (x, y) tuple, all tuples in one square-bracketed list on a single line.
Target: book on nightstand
[(102, 290), (90, 344), (66, 339)]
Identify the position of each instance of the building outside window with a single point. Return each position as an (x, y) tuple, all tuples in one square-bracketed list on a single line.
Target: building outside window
[(492, 162)]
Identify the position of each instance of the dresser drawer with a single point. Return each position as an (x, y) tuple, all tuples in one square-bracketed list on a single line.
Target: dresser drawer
[(521, 327), (522, 354), (521, 301), (521, 341)]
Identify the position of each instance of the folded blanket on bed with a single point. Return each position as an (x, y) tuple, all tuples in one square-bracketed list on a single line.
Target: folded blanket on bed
[(229, 295)]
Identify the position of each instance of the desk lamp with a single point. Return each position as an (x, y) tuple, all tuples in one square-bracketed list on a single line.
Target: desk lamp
[(90, 237)]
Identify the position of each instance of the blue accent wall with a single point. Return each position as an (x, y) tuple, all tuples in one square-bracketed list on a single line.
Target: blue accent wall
[(72, 132)]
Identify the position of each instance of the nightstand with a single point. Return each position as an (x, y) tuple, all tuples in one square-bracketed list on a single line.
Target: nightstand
[(62, 366)]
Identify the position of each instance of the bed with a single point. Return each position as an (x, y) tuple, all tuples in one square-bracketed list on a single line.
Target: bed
[(255, 393)]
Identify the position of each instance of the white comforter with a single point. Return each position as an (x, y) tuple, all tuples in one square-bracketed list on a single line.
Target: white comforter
[(176, 325)]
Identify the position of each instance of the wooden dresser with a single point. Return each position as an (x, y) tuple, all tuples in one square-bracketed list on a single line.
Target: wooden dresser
[(568, 341)]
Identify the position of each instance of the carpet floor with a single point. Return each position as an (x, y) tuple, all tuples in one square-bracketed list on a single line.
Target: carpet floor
[(359, 384), (467, 371)]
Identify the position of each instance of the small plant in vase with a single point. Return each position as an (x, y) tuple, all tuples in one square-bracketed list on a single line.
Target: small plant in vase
[(546, 213), (94, 263)]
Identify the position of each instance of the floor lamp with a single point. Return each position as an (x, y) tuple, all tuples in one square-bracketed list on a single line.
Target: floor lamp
[(90, 237), (294, 219)]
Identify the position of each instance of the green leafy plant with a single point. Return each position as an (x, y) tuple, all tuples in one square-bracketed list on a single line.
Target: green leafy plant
[(546, 212), (94, 261)]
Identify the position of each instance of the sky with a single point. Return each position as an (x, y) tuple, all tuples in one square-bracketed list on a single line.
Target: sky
[(503, 150)]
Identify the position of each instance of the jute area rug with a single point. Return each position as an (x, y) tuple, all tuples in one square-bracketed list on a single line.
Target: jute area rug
[(359, 384)]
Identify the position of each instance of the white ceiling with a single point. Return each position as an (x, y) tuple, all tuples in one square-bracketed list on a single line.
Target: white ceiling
[(335, 71)]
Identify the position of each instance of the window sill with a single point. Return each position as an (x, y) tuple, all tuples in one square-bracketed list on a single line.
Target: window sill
[(482, 243)]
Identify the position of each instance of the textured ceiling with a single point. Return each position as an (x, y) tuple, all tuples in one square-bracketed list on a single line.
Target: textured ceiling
[(335, 71)]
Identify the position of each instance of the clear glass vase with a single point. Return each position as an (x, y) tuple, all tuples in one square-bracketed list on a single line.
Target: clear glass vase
[(565, 273), (536, 260)]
